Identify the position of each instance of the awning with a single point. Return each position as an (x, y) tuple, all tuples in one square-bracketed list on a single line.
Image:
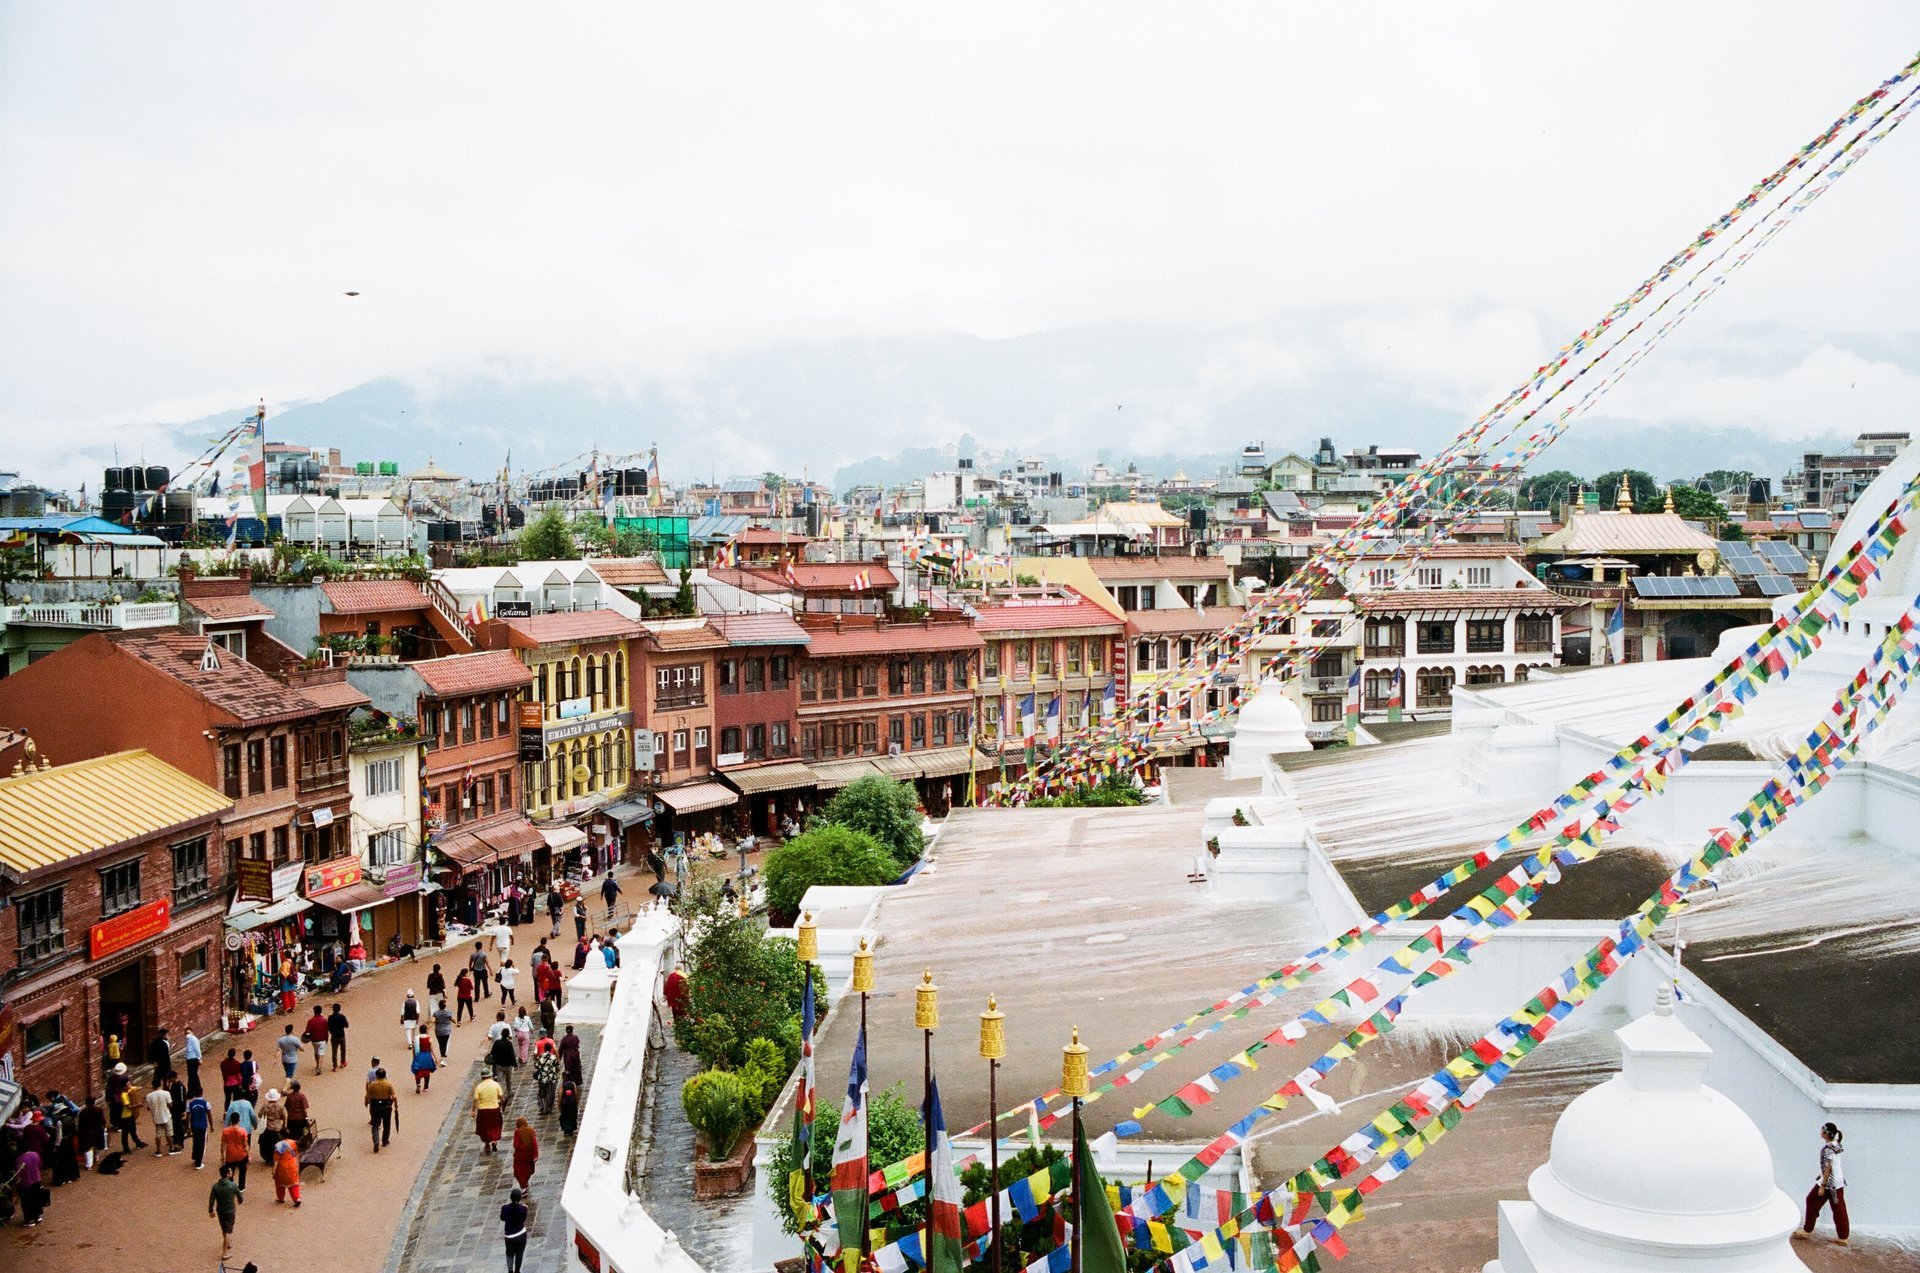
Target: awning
[(260, 916), (560, 839), (899, 766), (839, 773), (784, 776), (350, 898), (483, 845), (944, 762), (698, 796), (624, 813)]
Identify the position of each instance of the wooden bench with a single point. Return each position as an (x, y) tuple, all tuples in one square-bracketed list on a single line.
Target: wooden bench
[(324, 1147)]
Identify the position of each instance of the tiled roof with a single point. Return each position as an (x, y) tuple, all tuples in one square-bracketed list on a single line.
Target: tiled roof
[(1170, 567), (755, 535), (1036, 616), (1462, 599), (578, 625), (334, 694), (364, 596), (230, 609), (679, 634), (1448, 552), (51, 816), (629, 572), (235, 686), (474, 673), (765, 628), (829, 576), (1625, 533), (1183, 619), (893, 638)]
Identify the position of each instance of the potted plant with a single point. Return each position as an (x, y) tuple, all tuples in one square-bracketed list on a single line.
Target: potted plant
[(715, 1103)]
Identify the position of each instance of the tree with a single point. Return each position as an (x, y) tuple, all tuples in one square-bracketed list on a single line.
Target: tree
[(17, 565), (1543, 490), (741, 985), (546, 538), (1688, 502), (829, 853), (1113, 791), (1730, 482), (592, 533), (634, 543), (1641, 487), (885, 809), (894, 1133), (684, 602)]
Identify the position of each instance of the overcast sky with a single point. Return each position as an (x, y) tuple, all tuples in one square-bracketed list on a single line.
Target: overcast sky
[(625, 192)]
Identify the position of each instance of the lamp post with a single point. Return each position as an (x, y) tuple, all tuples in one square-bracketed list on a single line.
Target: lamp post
[(993, 1046), (862, 983), (926, 1019), (1073, 1082)]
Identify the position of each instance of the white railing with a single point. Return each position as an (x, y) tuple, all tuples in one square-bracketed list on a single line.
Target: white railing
[(449, 608), (87, 614)]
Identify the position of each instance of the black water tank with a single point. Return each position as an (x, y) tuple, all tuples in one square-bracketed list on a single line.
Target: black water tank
[(115, 480), (118, 506), (180, 508), (1759, 490), (157, 476), (1196, 518)]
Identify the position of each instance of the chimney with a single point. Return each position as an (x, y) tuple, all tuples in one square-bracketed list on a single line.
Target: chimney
[(186, 572)]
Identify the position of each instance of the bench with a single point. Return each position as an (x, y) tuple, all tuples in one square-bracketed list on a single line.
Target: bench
[(324, 1147)]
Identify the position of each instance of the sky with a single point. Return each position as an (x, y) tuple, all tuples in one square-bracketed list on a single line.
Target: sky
[(1423, 197)]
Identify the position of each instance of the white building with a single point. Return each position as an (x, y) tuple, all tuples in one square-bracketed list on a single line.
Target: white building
[(383, 773), (535, 587)]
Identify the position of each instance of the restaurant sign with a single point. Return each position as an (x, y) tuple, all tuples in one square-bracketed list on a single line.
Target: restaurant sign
[(333, 875), (569, 729), (401, 880), (533, 746), (129, 928)]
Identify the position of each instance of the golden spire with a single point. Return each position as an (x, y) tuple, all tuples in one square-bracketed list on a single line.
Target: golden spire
[(993, 1032), (1625, 503), (1073, 1067), (862, 969), (1669, 507), (806, 939), (926, 1003)]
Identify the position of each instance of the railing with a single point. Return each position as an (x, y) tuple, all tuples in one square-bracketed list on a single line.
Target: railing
[(84, 614), (1325, 684), (322, 775), (449, 608), (674, 702)]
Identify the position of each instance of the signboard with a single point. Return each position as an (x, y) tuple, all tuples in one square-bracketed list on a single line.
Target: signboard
[(567, 729), (574, 708), (286, 880), (533, 745), (513, 609), (323, 817), (331, 875), (642, 750), (129, 928), (254, 876), (402, 879)]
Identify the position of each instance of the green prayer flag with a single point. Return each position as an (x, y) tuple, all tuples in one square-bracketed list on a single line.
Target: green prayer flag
[(1100, 1250)]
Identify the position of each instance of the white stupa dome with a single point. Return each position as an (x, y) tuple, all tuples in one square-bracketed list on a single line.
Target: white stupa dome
[(1268, 722), (1900, 576)]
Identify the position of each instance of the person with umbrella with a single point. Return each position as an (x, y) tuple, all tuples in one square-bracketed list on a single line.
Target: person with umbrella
[(662, 892)]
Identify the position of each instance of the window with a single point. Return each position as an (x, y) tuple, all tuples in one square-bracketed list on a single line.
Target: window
[(383, 777), (120, 887), (193, 964), (190, 881), (779, 671), (1160, 650), (990, 721), (256, 766), (485, 710), (830, 683), (756, 675), (1435, 686), (466, 722), (502, 713), (1533, 633), (1330, 666), (282, 850), (939, 673), (43, 1035), (897, 732), (1486, 636), (897, 677), (756, 742), (1186, 649), (277, 758), (42, 927), (730, 740), (1074, 702), (1074, 660), (679, 748), (869, 737), (1479, 576), (869, 680), (919, 676), (1378, 689), (1434, 636), (809, 742), (1326, 710), (1486, 676), (729, 677), (1043, 658), (992, 669), (1096, 656), (919, 731), (1380, 577), (1386, 636), (778, 743), (1326, 629), (807, 691), (384, 848), (850, 681), (230, 769), (939, 729), (1429, 576)]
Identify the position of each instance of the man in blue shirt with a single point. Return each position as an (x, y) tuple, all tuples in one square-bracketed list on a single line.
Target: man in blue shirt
[(199, 1118), (193, 1062)]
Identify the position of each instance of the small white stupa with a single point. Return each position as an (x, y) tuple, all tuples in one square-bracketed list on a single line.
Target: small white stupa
[(1652, 1171), (1268, 722)]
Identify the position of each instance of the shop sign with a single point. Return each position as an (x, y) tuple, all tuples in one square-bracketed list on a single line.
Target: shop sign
[(255, 879), (323, 817), (570, 729), (513, 609), (401, 880), (533, 746), (575, 708), (643, 751), (333, 875), (128, 929), (286, 880)]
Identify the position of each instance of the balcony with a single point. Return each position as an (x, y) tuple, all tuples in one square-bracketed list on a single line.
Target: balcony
[(1325, 685), (327, 775), (679, 702), (91, 614)]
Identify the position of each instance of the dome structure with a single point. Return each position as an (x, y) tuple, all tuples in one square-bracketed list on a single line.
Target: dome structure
[(1268, 722), (1900, 577), (1652, 1170)]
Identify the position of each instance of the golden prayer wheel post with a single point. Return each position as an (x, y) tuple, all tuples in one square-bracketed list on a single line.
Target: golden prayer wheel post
[(926, 1018), (993, 1046), (862, 984), (806, 939), (1073, 1082)]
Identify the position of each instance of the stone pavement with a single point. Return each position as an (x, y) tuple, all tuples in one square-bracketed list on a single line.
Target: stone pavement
[(717, 1233), (452, 1224)]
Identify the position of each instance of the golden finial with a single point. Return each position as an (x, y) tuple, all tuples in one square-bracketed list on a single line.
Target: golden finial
[(745, 909), (926, 1003), (862, 969), (993, 1032), (1073, 1067), (1625, 502), (1669, 505), (806, 939)]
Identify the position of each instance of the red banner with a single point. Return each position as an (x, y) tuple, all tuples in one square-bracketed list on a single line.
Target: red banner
[(129, 928), (333, 875)]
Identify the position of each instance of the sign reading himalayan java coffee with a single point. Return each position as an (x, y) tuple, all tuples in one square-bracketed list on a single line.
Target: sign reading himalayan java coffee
[(129, 928)]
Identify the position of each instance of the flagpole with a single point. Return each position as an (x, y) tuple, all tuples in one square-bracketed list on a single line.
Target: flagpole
[(926, 1019), (1073, 1082), (807, 947), (993, 1046), (863, 983)]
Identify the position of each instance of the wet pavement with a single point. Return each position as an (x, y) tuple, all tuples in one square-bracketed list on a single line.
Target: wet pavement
[(717, 1233)]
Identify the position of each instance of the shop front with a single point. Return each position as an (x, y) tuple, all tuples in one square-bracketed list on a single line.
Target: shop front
[(624, 829), (773, 796), (342, 921), (404, 920), (693, 809), (264, 934), (478, 861)]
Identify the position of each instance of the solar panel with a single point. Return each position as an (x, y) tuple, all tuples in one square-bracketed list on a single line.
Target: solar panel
[(1740, 558), (1816, 519), (1784, 558), (1776, 586), (1687, 586)]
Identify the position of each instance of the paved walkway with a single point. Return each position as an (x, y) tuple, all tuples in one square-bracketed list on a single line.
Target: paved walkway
[(717, 1233), (453, 1220)]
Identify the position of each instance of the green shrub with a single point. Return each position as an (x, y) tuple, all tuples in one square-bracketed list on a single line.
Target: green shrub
[(1112, 792), (741, 985), (885, 809), (715, 1104), (894, 1132), (829, 853)]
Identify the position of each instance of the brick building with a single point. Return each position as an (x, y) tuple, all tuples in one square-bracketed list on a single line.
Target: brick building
[(115, 890), (891, 697), (1049, 647), (679, 659), (756, 713)]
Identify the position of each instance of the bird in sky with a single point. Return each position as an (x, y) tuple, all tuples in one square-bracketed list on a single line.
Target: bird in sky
[(352, 293)]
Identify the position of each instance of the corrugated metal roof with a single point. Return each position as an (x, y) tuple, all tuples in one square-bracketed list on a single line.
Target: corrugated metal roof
[(766, 628), (54, 815), (1625, 533), (578, 625)]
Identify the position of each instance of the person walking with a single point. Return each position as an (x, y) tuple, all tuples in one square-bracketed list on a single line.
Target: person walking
[(509, 978), (316, 1034), (570, 1056), (550, 1013), (286, 1171), (500, 1060), (580, 952), (299, 1116), (160, 1057), (463, 994), (1830, 1189), (580, 917), (199, 1121), (191, 1055), (487, 1099), (526, 1151), (337, 1035), (442, 1027), (249, 1075), (124, 1113), (609, 890), (436, 983), (423, 1066), (249, 1119), (502, 943), (234, 1143), (27, 1185), (522, 1035), (481, 970), (546, 1071), (569, 1107), (229, 1077), (177, 1107), (513, 1223), (288, 1045), (223, 1204), (554, 904), (160, 1110), (546, 981), (410, 1021), (382, 1109), (273, 1124)]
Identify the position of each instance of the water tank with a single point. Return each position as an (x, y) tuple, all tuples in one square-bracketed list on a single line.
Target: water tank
[(118, 506), (516, 516), (23, 501), (179, 506), (363, 468), (310, 471), (115, 480), (1759, 490), (156, 477), (389, 468), (1197, 518)]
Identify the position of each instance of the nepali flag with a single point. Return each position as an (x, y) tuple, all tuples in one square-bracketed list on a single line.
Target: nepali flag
[(850, 1158), (803, 1104), (944, 1201)]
